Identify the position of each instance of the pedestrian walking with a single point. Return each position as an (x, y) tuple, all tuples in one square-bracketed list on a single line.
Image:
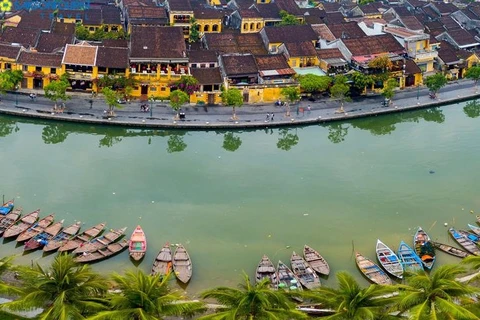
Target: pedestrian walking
[(272, 117), (268, 116)]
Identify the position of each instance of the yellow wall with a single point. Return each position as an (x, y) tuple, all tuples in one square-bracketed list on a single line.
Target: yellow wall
[(214, 2), (295, 62), (203, 97), (472, 60), (210, 23), (4, 61), (263, 1), (252, 25), (46, 71)]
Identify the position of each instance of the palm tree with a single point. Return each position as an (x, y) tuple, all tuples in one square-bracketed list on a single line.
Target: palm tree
[(6, 265), (248, 302), (144, 296), (352, 302), (65, 290), (436, 296)]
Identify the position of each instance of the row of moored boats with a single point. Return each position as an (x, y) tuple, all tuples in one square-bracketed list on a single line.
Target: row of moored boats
[(421, 257), (92, 245)]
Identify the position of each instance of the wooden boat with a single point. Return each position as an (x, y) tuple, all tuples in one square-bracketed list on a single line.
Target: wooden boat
[(464, 242), (6, 207), (26, 222), (474, 229), (37, 228), (10, 219), (138, 244), (104, 253), (101, 242), (287, 280), (469, 235), (408, 258), (81, 239), (372, 271), (163, 262), (304, 272), (424, 248), (266, 269), (316, 261), (389, 260), (61, 238), (451, 250), (182, 264), (42, 238)]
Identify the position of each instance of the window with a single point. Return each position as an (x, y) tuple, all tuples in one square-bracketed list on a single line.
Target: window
[(102, 69), (215, 28), (38, 69), (245, 26), (153, 89), (206, 28), (25, 68), (91, 28), (259, 25), (252, 26), (194, 65), (8, 66), (162, 89), (53, 70), (212, 65), (202, 65)]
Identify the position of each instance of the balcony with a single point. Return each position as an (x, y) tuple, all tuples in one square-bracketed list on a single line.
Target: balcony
[(423, 55), (80, 76)]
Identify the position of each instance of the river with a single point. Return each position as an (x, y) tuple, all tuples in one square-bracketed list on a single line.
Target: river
[(231, 197)]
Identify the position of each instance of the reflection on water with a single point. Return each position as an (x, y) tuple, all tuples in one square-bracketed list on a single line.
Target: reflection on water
[(472, 109), (231, 141), (288, 139)]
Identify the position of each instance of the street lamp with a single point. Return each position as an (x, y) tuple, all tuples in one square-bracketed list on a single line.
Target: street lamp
[(151, 106)]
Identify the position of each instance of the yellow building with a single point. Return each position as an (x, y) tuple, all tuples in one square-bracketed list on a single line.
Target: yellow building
[(209, 20), (79, 60), (180, 13), (8, 57), (39, 69), (300, 54), (247, 20), (106, 18)]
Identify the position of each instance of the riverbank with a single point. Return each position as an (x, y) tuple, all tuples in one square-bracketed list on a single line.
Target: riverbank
[(82, 108)]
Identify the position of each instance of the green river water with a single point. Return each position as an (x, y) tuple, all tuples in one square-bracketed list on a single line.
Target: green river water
[(230, 198)]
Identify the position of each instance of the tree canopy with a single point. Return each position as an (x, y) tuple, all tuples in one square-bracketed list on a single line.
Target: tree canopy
[(473, 73), (381, 62), (111, 99), (57, 91), (435, 82), (389, 88), (292, 94), (194, 30), (9, 79), (313, 83), (288, 19)]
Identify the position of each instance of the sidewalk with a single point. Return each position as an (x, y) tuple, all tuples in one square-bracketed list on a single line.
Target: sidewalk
[(83, 108)]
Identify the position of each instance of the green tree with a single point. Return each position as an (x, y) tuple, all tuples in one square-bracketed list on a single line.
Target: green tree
[(175, 143), (474, 263), (292, 95), (143, 296), (435, 82), (382, 62), (352, 302), (364, 2), (232, 98), (337, 132), (287, 139), (437, 295), (81, 32), (6, 266), (472, 109), (111, 99), (288, 19), (231, 142), (361, 81), (389, 89), (64, 291), (312, 83), (194, 30), (249, 302), (187, 84), (9, 80), (340, 90), (55, 91), (177, 99), (8, 126), (474, 74)]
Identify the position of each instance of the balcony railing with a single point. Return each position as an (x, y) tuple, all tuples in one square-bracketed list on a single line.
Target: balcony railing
[(424, 55), (80, 76)]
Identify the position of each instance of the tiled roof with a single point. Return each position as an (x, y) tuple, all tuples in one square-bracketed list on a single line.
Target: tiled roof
[(329, 53), (269, 11), (111, 15), (239, 64), (434, 25), (290, 34), (430, 12), (143, 3), (63, 28), (301, 49), (323, 32), (147, 15), (445, 8), (157, 43), (412, 23), (50, 42), (271, 62), (402, 11), (92, 17), (289, 6), (373, 45), (334, 18), (180, 5), (462, 37), (235, 43), (416, 3), (40, 59), (249, 13), (207, 76), (449, 23), (80, 54), (475, 10), (370, 8), (36, 19), (112, 57), (9, 51), (208, 13), (347, 30), (331, 6), (411, 67), (469, 14), (25, 36), (447, 53), (115, 43), (202, 56)]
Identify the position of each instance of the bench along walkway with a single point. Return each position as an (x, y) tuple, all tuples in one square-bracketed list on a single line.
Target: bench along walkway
[(84, 108)]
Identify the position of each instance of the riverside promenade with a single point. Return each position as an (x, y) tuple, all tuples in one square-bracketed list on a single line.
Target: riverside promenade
[(84, 108)]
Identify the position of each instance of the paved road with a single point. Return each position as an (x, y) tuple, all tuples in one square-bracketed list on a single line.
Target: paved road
[(79, 109)]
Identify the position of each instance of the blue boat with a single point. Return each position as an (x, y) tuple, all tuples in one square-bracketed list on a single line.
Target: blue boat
[(408, 258), (6, 208), (464, 242), (471, 236), (424, 248), (474, 229)]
